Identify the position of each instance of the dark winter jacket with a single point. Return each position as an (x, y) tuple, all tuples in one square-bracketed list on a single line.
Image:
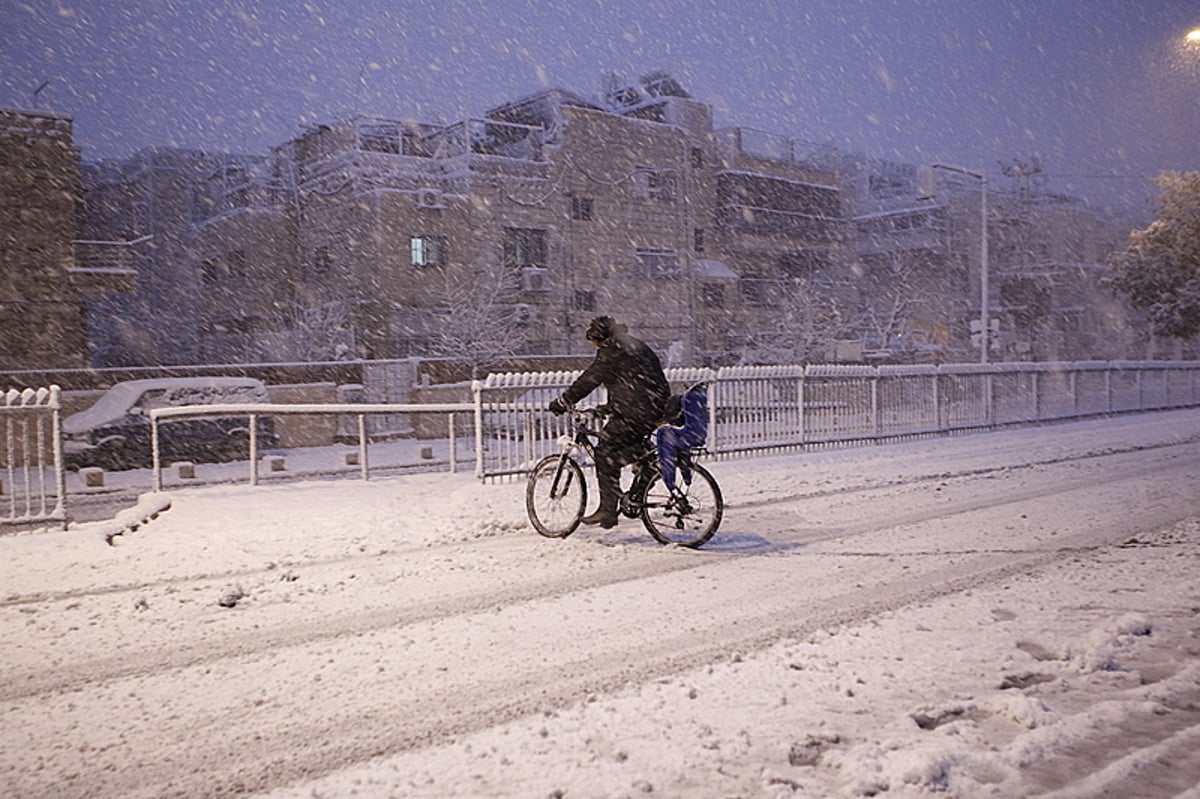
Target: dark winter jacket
[(629, 369)]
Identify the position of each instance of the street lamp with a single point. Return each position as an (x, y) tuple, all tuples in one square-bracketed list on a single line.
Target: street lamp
[(927, 190)]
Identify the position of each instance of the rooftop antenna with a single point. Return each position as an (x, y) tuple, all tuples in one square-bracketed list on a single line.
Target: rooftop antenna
[(38, 91)]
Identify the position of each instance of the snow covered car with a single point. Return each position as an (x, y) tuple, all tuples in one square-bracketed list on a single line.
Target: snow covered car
[(115, 432)]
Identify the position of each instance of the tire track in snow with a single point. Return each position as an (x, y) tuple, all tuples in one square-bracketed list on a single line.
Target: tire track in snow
[(507, 656)]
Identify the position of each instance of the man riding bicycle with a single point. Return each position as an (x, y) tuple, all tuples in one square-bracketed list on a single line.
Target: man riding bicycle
[(637, 396)]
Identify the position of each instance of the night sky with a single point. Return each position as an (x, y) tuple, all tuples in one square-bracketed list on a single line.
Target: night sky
[(1105, 93)]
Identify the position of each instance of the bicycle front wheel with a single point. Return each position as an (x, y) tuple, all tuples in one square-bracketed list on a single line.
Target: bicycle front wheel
[(687, 523), (555, 496)]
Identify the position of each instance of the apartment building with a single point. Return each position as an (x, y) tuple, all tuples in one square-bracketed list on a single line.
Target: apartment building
[(379, 237), (47, 272), (919, 263), (546, 212), (156, 199)]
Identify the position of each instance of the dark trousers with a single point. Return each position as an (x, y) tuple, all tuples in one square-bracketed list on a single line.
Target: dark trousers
[(621, 442)]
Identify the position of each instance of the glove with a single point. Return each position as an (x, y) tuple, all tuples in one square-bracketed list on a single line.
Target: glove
[(558, 406)]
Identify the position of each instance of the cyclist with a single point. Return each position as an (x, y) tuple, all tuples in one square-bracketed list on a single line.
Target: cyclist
[(637, 395)]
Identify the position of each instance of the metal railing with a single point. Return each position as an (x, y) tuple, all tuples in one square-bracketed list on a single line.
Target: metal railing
[(768, 408), (33, 487), (753, 409), (252, 411)]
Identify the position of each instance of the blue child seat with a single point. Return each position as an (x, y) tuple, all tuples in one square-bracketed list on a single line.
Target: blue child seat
[(670, 439)]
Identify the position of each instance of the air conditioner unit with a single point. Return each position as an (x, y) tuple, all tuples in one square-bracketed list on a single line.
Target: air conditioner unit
[(535, 279), (429, 198), (526, 314)]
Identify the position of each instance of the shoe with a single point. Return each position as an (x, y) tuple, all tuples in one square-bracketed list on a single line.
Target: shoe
[(605, 518)]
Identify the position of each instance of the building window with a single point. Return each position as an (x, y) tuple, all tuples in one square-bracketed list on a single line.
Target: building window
[(712, 295), (524, 247), (210, 272), (658, 262), (581, 209), (585, 300), (321, 259), (428, 250), (698, 240), (803, 263), (654, 184), (758, 293), (237, 263)]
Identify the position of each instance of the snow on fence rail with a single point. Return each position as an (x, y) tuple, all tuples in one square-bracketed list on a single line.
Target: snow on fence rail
[(33, 485), (765, 408)]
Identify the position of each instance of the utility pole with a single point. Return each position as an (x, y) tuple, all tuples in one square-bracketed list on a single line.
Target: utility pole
[(927, 190)]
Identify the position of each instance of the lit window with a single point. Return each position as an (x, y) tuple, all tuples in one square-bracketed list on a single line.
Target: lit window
[(428, 250)]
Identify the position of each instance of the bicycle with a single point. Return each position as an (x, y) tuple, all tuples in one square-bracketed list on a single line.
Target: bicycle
[(556, 493)]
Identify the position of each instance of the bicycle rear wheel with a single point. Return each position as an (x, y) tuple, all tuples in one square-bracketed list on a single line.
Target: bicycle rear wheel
[(555, 496), (690, 523)]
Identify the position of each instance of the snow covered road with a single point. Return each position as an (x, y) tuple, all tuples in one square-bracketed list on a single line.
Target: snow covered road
[(391, 638)]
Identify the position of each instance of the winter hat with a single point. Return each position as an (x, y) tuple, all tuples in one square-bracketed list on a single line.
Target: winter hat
[(601, 329)]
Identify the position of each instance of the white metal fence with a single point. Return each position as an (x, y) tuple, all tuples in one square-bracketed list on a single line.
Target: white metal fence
[(752, 409), (763, 408), (361, 413), (33, 486)]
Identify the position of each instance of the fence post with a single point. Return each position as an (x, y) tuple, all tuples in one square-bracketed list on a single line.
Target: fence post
[(364, 470), (155, 456), (477, 390), (253, 461), (988, 387), (253, 453), (803, 414), (60, 471), (1036, 378), (935, 385), (714, 400), (875, 422)]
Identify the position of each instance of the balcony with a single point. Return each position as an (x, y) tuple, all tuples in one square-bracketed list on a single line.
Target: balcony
[(104, 266)]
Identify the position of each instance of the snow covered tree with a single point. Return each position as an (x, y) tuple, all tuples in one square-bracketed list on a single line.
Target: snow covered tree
[(808, 323), (313, 333), (480, 320), (1160, 270)]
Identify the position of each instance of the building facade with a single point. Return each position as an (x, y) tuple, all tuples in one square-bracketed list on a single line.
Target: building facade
[(377, 237), (919, 263), (47, 272)]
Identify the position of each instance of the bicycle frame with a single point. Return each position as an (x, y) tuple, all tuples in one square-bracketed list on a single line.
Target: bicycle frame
[(583, 439), (670, 517)]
